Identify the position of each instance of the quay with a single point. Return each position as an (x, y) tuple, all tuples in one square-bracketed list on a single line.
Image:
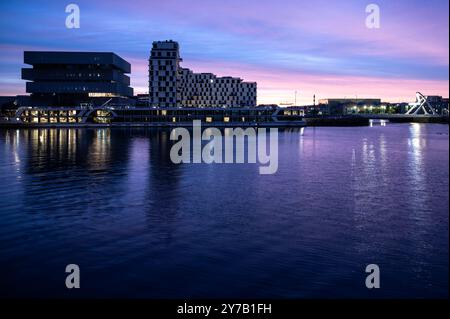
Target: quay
[(78, 116), (182, 117)]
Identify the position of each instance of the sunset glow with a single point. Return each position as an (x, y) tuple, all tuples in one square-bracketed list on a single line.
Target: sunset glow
[(321, 47)]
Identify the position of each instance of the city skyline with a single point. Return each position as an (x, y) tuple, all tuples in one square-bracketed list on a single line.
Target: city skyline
[(322, 48)]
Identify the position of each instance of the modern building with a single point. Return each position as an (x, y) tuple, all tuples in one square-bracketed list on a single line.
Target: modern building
[(71, 78), (170, 85)]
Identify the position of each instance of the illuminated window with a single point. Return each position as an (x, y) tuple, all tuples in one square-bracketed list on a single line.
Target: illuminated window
[(174, 119), (226, 119), (163, 112), (93, 94), (209, 119)]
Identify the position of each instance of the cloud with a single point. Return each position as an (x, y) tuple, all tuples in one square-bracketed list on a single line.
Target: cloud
[(283, 45)]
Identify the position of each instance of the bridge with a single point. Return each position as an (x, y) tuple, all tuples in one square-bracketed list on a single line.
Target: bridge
[(419, 111)]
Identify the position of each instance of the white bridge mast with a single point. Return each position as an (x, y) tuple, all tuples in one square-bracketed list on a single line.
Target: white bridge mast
[(421, 104)]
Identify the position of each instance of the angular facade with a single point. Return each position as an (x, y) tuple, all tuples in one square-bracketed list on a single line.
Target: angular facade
[(170, 85), (76, 77)]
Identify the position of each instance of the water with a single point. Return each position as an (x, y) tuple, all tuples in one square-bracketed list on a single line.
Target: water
[(111, 201)]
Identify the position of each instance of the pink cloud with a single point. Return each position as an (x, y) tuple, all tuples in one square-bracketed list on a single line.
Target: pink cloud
[(275, 86)]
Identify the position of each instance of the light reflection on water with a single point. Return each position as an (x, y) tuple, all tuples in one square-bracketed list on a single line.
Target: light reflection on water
[(140, 226)]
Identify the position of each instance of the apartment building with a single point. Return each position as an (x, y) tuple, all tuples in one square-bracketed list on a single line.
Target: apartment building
[(171, 85)]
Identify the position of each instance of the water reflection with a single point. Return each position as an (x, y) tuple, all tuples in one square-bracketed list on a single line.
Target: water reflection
[(99, 152), (416, 165), (112, 200), (416, 144)]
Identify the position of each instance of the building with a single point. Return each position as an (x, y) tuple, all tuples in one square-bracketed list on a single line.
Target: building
[(438, 103), (445, 105), (337, 106), (170, 85), (71, 78)]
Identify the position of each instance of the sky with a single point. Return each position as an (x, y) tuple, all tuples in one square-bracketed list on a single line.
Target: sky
[(320, 47)]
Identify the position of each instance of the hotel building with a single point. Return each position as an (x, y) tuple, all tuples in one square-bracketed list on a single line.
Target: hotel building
[(170, 85)]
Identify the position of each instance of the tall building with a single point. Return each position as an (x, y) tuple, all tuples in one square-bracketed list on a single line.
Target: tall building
[(164, 66), (68, 78), (170, 85)]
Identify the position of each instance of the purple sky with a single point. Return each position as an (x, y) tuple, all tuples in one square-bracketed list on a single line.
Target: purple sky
[(315, 47)]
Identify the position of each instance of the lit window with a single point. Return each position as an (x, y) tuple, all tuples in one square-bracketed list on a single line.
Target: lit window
[(226, 119), (209, 119)]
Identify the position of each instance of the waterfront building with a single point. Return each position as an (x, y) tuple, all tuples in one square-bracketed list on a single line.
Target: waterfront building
[(171, 85), (341, 106), (71, 78)]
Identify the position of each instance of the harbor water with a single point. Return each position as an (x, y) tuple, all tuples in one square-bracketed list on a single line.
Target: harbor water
[(139, 226)]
